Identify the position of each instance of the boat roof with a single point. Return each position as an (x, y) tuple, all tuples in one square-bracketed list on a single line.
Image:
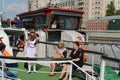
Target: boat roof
[(50, 9)]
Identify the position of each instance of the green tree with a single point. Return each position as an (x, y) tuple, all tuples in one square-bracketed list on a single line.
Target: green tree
[(117, 12), (110, 9)]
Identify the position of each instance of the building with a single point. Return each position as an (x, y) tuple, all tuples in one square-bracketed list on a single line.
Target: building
[(104, 23), (97, 24), (93, 8), (66, 4), (37, 4)]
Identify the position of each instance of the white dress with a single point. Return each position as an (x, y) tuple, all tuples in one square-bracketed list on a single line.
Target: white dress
[(31, 48)]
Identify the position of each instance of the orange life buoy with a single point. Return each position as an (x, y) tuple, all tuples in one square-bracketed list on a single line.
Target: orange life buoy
[(85, 56)]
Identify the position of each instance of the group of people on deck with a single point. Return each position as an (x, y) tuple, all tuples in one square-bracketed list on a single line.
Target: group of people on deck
[(76, 55)]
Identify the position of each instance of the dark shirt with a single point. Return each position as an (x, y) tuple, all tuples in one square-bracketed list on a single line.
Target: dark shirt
[(78, 54)]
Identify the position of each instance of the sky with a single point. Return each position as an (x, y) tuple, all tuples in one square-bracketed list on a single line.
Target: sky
[(13, 7)]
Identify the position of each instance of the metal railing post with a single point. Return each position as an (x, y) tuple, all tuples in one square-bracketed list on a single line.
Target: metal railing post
[(102, 70), (92, 63), (2, 69), (70, 75)]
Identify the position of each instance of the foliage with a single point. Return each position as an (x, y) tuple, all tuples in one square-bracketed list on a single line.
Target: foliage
[(110, 9)]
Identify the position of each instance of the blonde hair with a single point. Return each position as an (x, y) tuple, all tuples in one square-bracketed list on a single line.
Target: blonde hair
[(61, 43), (32, 37)]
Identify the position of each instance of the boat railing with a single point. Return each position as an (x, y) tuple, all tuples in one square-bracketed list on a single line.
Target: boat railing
[(42, 60), (103, 65), (92, 55)]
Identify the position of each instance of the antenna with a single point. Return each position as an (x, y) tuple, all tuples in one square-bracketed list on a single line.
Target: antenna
[(0, 19)]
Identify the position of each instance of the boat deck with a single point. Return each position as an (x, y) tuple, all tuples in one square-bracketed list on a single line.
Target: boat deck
[(23, 75)]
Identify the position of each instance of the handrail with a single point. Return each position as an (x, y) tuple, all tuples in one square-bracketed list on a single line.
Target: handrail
[(110, 59), (35, 59), (93, 52), (90, 42), (83, 71), (44, 60)]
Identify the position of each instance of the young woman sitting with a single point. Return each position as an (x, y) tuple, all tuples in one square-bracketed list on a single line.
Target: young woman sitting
[(60, 53)]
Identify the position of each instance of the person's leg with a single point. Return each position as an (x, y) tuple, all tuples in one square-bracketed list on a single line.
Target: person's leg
[(65, 66), (11, 74), (53, 69), (29, 67), (34, 67), (67, 73)]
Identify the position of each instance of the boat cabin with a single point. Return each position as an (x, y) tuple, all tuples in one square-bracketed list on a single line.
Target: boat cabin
[(52, 18)]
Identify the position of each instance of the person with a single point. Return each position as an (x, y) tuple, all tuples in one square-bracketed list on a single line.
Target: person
[(21, 43), (60, 53), (5, 52), (32, 49), (7, 73), (77, 57)]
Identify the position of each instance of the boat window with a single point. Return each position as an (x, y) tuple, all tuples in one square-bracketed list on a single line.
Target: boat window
[(40, 20), (64, 22)]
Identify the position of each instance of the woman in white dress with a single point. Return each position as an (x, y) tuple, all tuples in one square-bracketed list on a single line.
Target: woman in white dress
[(60, 53), (32, 49)]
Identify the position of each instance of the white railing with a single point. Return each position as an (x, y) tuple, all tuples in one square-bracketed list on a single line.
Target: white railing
[(41, 61)]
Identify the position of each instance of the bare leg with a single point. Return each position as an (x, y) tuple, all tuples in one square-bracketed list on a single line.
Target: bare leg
[(53, 69), (34, 67), (29, 67), (63, 70), (67, 73)]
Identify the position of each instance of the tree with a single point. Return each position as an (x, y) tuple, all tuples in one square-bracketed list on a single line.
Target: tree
[(110, 9), (117, 12)]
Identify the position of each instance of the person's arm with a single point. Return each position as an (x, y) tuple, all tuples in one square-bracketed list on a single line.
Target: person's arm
[(80, 56), (65, 54), (77, 59)]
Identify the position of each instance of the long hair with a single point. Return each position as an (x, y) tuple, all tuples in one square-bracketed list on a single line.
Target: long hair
[(32, 35)]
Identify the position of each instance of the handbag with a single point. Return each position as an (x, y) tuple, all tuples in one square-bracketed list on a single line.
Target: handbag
[(26, 65)]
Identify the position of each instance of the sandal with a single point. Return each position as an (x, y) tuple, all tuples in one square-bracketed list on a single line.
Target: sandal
[(52, 74)]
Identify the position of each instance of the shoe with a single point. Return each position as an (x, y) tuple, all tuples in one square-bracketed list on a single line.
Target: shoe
[(52, 74), (28, 72), (35, 71)]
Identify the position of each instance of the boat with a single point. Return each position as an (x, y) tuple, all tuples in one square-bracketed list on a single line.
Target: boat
[(52, 25)]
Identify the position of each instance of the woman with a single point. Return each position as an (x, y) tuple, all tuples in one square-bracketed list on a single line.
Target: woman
[(60, 53), (32, 49), (77, 57)]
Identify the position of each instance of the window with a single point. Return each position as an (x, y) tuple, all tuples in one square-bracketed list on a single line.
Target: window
[(64, 22), (40, 20)]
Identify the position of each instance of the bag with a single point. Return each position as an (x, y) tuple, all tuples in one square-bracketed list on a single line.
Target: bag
[(26, 65), (85, 56), (6, 53)]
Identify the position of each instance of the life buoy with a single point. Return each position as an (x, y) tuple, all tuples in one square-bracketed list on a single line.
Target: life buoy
[(85, 56)]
